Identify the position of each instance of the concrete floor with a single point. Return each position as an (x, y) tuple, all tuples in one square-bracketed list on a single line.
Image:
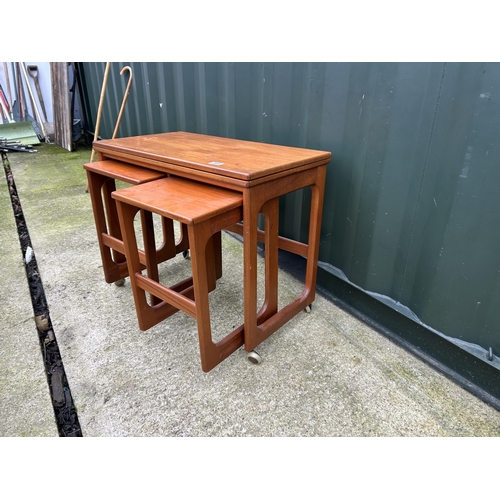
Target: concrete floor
[(323, 374)]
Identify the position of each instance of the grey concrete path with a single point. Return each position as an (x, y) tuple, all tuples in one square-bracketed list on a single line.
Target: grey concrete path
[(323, 374)]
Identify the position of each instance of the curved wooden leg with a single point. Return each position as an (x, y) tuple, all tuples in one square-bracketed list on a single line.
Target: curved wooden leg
[(112, 217), (211, 354), (270, 307), (147, 315), (113, 263), (183, 244), (167, 249)]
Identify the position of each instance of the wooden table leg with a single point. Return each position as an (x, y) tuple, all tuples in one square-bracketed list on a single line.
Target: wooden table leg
[(150, 253), (317, 198), (114, 265), (270, 306), (113, 225), (251, 209), (257, 331)]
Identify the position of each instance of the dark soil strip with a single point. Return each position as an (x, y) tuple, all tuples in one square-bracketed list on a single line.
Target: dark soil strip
[(64, 409)]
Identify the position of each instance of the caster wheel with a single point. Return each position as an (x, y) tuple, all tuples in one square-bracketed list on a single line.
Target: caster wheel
[(254, 358), (120, 282), (185, 254), (308, 309)]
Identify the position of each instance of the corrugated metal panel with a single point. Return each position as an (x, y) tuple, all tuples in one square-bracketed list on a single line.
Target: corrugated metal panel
[(411, 209)]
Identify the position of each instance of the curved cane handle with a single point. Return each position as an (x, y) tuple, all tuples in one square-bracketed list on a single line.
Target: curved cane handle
[(125, 97)]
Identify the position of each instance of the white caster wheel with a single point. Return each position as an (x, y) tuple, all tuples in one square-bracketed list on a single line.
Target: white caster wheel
[(120, 282), (185, 254), (254, 358), (308, 309)]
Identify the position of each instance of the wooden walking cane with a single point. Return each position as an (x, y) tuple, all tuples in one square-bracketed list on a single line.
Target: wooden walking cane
[(124, 101), (125, 97), (99, 114)]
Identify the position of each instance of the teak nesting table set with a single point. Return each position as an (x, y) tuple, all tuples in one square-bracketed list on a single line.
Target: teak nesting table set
[(207, 184)]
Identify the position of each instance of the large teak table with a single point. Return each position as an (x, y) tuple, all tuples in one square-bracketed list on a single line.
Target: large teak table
[(262, 173)]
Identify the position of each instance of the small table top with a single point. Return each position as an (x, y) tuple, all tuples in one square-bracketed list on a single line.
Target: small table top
[(243, 161)]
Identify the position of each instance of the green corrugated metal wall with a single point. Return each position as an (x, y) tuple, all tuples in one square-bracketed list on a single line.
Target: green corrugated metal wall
[(412, 199)]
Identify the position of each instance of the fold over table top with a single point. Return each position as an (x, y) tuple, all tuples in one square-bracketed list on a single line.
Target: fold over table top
[(243, 161)]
